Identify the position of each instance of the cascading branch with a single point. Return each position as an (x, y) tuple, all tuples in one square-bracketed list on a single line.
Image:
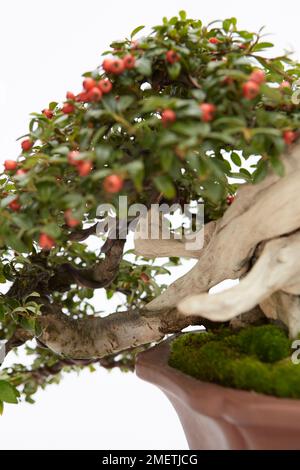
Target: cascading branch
[(171, 116)]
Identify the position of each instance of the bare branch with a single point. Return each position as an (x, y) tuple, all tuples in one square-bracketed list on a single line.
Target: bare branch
[(99, 337)]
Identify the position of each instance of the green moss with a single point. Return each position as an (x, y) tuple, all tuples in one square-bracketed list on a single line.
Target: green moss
[(256, 358), (268, 342)]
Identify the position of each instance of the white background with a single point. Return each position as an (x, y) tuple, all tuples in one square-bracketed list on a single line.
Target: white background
[(45, 46)]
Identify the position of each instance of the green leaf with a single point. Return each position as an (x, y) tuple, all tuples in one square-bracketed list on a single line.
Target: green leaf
[(228, 23), (182, 15), (272, 93), (52, 230), (28, 324), (236, 159), (16, 243), (135, 167), (1, 407), (8, 393), (277, 165), (261, 46), (261, 171), (174, 70), (164, 185), (136, 30), (166, 159), (124, 102), (144, 66)]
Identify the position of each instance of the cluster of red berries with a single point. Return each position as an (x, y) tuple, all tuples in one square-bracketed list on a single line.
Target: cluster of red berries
[(91, 93), (252, 86), (84, 167), (116, 66)]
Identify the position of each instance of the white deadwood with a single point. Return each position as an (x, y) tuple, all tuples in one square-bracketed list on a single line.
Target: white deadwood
[(274, 271)]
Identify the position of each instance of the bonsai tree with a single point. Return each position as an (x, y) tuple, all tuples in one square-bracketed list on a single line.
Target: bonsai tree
[(173, 117)]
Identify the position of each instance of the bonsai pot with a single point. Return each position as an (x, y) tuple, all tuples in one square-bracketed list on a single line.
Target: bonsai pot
[(220, 418)]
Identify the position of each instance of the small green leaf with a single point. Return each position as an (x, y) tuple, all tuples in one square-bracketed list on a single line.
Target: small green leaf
[(8, 393), (144, 66), (277, 165), (174, 70), (261, 171), (136, 30), (52, 230), (182, 15), (164, 185), (124, 102), (228, 23), (261, 46), (236, 159)]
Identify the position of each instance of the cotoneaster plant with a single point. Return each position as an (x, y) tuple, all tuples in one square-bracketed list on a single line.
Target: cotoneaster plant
[(173, 117)]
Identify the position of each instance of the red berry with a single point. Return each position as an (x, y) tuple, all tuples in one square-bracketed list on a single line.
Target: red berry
[(68, 108), (70, 95), (21, 172), (82, 97), (214, 40), (168, 116), (129, 61), (230, 199), (113, 183), (285, 84), (15, 205), (89, 83), (289, 137), (26, 145), (172, 57), (48, 113), (84, 167), (207, 111), (105, 85), (95, 94), (73, 158), (145, 278), (70, 220), (116, 67), (106, 64), (258, 76), (250, 90), (228, 81), (46, 242), (10, 165)]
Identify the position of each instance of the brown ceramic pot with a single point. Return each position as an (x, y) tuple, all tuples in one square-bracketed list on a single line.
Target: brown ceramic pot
[(216, 417)]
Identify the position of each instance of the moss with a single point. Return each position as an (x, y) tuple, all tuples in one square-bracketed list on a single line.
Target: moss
[(256, 358), (268, 342)]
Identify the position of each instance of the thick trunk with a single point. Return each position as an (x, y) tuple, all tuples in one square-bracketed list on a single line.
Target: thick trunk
[(99, 337)]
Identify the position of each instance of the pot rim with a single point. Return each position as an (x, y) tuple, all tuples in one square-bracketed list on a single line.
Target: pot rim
[(233, 405)]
